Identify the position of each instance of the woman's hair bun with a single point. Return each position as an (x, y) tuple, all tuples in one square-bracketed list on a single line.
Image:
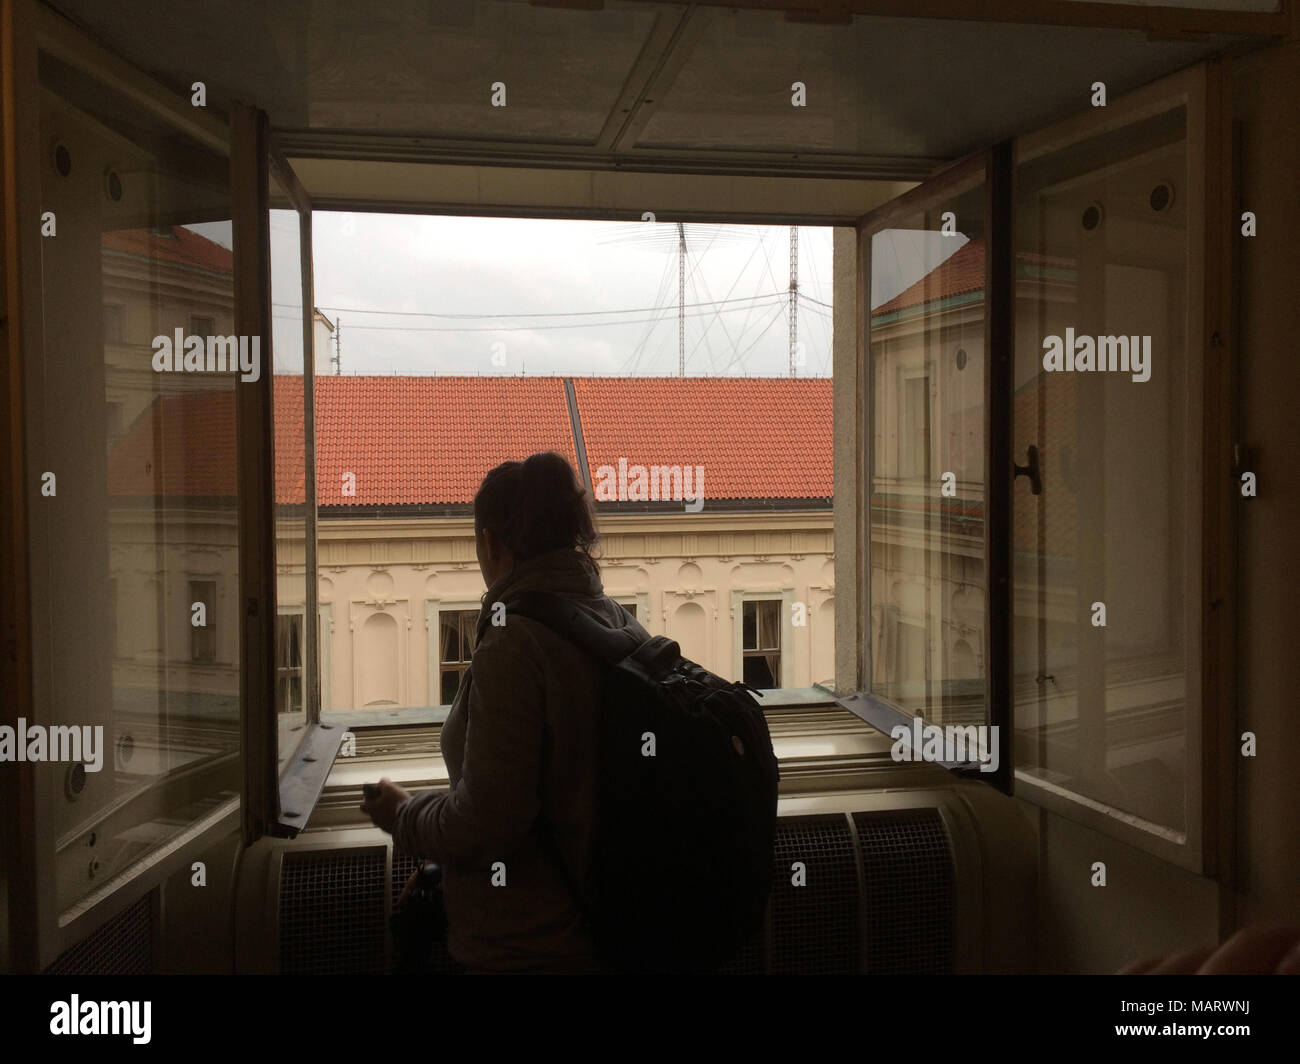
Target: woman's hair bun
[(535, 506)]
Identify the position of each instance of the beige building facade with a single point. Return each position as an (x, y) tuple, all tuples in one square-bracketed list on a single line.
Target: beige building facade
[(397, 596)]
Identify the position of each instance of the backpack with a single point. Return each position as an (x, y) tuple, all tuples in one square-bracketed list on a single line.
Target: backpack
[(686, 799)]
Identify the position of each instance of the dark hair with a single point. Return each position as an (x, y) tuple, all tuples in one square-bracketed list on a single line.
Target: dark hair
[(535, 506)]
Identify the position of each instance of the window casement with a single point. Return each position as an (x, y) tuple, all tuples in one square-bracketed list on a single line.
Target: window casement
[(289, 675), (1033, 547), (450, 628), (456, 638), (637, 604), (914, 423), (762, 641)]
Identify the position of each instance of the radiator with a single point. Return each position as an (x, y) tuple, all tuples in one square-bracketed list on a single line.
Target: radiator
[(123, 945), (899, 882)]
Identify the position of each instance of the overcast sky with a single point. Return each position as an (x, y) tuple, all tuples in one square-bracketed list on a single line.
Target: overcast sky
[(419, 294)]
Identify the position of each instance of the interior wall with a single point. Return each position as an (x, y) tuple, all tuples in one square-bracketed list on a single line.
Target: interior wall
[(1148, 907), (198, 911), (1266, 87)]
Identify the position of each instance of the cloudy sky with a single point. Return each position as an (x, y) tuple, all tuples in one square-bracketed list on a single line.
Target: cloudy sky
[(422, 294)]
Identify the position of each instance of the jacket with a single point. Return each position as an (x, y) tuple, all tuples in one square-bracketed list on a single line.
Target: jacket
[(520, 748)]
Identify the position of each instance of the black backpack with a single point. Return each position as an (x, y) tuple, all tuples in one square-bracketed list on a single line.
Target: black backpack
[(686, 798)]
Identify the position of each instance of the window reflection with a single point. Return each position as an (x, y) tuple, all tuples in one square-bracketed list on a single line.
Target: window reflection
[(142, 526)]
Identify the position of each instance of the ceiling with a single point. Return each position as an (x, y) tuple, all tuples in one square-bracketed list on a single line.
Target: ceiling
[(636, 85)]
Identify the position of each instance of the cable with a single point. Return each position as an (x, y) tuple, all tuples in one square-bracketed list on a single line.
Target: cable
[(504, 328), (539, 314)]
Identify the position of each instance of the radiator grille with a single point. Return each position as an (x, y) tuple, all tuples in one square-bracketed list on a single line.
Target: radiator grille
[(332, 913), (332, 904), (121, 946), (814, 927), (908, 879)]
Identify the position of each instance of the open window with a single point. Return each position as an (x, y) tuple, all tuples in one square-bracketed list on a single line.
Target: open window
[(930, 310), (161, 387), (1039, 430), (1119, 320), (131, 488), (290, 749)]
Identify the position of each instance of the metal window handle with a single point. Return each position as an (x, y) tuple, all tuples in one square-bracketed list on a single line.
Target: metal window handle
[(1031, 471)]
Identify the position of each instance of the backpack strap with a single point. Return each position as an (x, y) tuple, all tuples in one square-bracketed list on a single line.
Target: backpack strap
[(567, 618)]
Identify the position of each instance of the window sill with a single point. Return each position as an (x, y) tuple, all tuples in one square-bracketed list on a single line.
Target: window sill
[(822, 748), (406, 716)]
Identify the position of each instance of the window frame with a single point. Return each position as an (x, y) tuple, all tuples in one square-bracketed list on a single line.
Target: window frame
[(1204, 846), (38, 931), (285, 769), (283, 610), (993, 166), (640, 600), (433, 609), (784, 595)]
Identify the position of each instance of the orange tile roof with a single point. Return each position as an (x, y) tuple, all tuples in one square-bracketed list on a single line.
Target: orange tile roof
[(755, 437), (961, 272), (181, 445), (428, 441), (183, 246)]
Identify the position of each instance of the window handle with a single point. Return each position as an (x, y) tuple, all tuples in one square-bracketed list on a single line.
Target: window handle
[(1031, 470)]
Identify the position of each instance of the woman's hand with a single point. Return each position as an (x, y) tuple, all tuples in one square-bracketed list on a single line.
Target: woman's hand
[(382, 807)]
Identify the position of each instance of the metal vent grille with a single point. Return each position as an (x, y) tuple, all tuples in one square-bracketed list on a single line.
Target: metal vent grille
[(332, 912), (814, 927), (121, 946), (403, 866), (908, 881)]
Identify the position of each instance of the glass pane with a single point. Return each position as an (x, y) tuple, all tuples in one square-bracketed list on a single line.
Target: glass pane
[(291, 525), (759, 672), (749, 613), (468, 620), (450, 682), (1102, 390), (450, 650), (769, 620), (927, 471), (133, 446)]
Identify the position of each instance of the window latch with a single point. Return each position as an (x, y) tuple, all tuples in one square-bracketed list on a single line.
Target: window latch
[(1031, 470)]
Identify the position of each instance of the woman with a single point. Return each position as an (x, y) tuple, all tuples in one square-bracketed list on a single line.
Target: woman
[(514, 833)]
